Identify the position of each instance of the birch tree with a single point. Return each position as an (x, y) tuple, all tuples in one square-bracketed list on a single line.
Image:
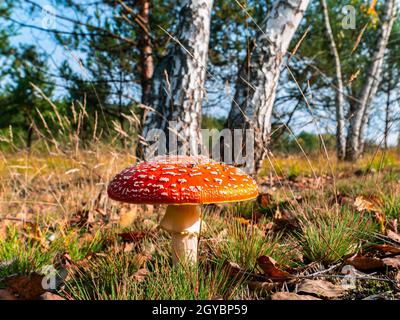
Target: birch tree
[(178, 81), (259, 73), (339, 90), (359, 118)]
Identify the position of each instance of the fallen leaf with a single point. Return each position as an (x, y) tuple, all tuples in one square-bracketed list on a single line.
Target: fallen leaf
[(81, 218), (369, 204), (6, 295), (365, 263), (261, 286), (242, 221), (140, 275), (132, 236), (140, 259), (268, 265), (127, 216), (129, 246), (393, 235), (233, 269), (292, 296), (321, 288), (397, 278), (50, 296), (385, 248), (264, 199), (393, 262), (27, 287)]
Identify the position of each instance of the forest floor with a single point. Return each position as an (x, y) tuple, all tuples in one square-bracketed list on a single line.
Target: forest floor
[(318, 230)]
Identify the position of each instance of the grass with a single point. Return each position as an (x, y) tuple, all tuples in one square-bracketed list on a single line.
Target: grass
[(329, 237), (244, 242), (54, 204), (21, 256)]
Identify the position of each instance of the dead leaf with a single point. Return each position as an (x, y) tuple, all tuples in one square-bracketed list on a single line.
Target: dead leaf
[(50, 296), (355, 74), (233, 269), (393, 235), (365, 263), (385, 248), (6, 295), (393, 262), (397, 278), (268, 265), (141, 274), (132, 236), (261, 287), (81, 218), (129, 246), (140, 259), (27, 287), (292, 296), (321, 288), (127, 216), (242, 221), (264, 200), (367, 204)]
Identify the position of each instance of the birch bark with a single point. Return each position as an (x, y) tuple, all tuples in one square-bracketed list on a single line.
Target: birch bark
[(339, 95), (178, 82), (259, 73), (359, 118)]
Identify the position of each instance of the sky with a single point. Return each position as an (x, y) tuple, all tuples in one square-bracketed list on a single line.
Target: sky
[(57, 54)]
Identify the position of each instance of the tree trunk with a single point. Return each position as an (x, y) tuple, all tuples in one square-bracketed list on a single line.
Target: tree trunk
[(259, 74), (178, 82), (387, 109), (146, 51), (359, 118), (339, 97)]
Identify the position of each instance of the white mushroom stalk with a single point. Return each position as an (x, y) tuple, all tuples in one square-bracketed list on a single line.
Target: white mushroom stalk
[(183, 223)]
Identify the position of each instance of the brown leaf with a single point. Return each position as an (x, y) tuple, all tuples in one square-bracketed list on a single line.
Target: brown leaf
[(292, 296), (365, 263), (369, 204), (321, 288), (129, 246), (260, 286), (385, 248), (127, 216), (7, 295), (268, 265), (397, 278), (27, 287), (393, 235), (141, 274), (393, 262), (50, 296), (233, 269), (132, 236), (264, 200)]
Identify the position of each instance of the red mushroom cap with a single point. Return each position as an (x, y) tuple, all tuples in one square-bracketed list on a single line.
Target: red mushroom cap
[(182, 180)]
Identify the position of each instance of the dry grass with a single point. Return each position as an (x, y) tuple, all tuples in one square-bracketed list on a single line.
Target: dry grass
[(53, 208)]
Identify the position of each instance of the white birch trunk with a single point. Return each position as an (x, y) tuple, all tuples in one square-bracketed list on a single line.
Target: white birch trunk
[(359, 119), (339, 97), (259, 73), (178, 81)]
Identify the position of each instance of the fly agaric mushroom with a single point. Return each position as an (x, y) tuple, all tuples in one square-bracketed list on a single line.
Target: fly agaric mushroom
[(183, 183)]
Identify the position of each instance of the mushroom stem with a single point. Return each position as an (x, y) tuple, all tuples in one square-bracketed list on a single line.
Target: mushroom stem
[(183, 222)]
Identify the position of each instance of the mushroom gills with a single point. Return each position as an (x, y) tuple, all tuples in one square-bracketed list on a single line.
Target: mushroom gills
[(183, 222)]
